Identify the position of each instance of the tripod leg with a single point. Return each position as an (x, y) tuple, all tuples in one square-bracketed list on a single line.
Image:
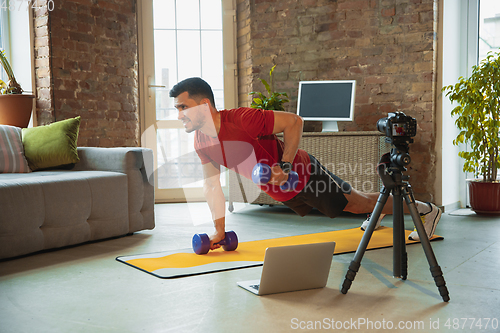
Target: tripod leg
[(400, 257), (436, 272), (356, 262)]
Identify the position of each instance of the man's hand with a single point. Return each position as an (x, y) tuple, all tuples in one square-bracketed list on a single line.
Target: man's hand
[(215, 238), (278, 177)]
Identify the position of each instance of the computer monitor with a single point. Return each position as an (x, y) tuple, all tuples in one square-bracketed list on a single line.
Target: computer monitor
[(327, 101)]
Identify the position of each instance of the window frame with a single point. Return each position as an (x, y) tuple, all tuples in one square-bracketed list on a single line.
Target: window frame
[(4, 39), (147, 95)]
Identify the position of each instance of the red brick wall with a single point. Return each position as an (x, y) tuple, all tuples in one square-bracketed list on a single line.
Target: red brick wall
[(387, 46), (86, 65)]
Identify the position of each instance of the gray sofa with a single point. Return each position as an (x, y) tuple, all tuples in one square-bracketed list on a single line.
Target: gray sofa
[(108, 193)]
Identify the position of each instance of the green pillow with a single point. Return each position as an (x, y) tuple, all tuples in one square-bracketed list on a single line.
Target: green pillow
[(51, 145)]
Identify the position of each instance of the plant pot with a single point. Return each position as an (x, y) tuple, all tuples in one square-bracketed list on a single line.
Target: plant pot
[(15, 110), (484, 197)]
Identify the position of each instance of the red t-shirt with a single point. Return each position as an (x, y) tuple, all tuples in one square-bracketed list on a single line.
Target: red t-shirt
[(245, 139)]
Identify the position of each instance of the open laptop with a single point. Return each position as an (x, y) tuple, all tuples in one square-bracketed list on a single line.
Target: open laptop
[(292, 268)]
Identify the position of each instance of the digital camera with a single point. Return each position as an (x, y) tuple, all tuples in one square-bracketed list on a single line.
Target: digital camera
[(398, 128)]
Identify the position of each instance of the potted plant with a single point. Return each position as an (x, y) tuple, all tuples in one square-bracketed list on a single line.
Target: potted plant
[(274, 101), (15, 107), (478, 112)]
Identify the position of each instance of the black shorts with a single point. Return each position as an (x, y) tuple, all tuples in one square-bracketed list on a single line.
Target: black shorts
[(324, 191)]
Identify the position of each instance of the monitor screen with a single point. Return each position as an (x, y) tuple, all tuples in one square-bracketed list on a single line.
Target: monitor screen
[(326, 100)]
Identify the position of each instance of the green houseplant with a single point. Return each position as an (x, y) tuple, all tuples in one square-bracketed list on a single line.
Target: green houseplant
[(13, 87), (274, 100), (15, 107), (478, 119)]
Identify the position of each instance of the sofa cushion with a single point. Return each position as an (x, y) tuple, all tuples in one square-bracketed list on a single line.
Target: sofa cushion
[(12, 151), (52, 145)]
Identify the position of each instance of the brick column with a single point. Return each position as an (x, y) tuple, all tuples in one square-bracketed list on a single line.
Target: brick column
[(87, 66), (245, 51), (43, 68)]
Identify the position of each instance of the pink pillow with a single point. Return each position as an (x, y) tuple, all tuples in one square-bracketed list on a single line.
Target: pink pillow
[(12, 158)]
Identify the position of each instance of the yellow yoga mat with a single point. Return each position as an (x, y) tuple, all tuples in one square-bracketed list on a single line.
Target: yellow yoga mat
[(171, 264)]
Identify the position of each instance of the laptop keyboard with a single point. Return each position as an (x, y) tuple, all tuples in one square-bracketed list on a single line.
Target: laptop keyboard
[(255, 286)]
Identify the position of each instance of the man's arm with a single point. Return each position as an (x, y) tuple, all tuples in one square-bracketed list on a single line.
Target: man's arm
[(291, 125), (216, 201)]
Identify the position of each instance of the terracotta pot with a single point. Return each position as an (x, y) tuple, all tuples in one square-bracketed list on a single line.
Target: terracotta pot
[(484, 197), (15, 110)]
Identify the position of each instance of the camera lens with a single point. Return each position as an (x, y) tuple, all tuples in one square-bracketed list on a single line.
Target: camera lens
[(382, 125)]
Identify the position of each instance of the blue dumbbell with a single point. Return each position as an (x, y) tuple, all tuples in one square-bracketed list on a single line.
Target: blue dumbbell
[(201, 242), (261, 174)]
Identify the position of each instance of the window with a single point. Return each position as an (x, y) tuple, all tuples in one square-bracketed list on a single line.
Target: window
[(188, 42), (4, 20), (489, 27), (15, 27), (183, 38)]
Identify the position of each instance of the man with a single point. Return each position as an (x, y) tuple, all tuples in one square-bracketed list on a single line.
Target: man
[(240, 138)]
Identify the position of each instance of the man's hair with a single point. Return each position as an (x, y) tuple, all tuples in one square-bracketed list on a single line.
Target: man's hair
[(196, 87)]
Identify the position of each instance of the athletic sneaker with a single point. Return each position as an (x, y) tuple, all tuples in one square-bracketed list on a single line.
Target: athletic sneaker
[(367, 222), (430, 221)]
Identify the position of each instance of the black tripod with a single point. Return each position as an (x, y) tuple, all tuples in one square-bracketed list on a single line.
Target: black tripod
[(390, 171)]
